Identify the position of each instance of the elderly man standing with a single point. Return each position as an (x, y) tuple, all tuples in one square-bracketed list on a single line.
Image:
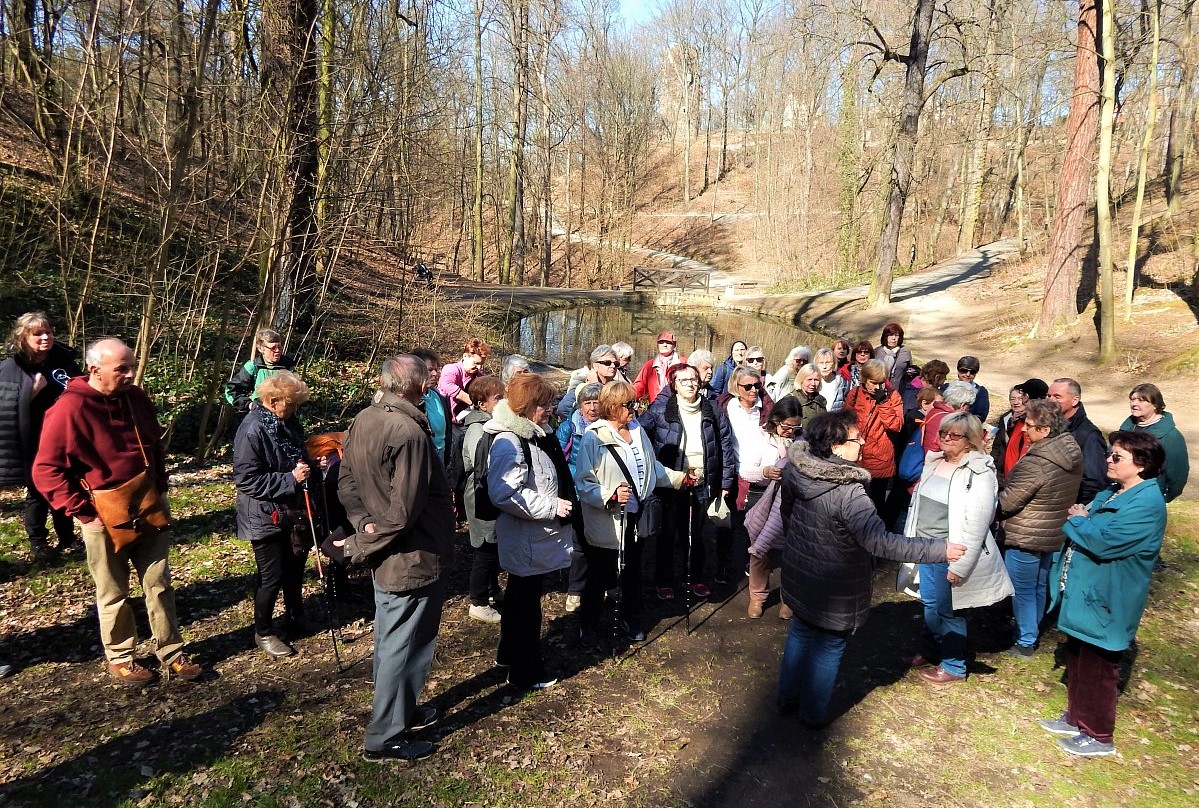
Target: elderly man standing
[(103, 434), (396, 494), (1067, 394)]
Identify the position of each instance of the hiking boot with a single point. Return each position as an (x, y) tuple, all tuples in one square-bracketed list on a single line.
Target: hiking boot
[(632, 631), (407, 750), (130, 673), (722, 575), (182, 668), (573, 602), (785, 612), (484, 614), (1084, 745), (273, 646), (700, 591), (43, 553), (1058, 726), (755, 610), (918, 661), (665, 593), (1025, 651), (940, 676)]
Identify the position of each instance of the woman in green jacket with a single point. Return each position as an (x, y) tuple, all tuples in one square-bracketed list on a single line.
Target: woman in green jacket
[(1103, 583), (1149, 413)]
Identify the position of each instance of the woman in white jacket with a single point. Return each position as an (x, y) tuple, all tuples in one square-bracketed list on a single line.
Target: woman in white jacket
[(615, 474), (533, 531), (955, 500)]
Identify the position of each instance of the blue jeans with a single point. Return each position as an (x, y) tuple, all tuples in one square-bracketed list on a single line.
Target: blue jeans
[(811, 659), (946, 629), (1030, 578)]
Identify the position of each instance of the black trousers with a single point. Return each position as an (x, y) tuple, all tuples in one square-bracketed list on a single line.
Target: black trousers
[(683, 511), (520, 631), (279, 568), (34, 515), (601, 576), (485, 574)]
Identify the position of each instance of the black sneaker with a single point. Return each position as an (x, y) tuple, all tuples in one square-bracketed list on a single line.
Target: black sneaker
[(1021, 650), (423, 718), (398, 750), (632, 631)]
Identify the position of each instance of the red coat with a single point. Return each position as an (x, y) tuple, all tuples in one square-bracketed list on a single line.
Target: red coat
[(932, 423), (90, 437), (875, 420), (648, 384)]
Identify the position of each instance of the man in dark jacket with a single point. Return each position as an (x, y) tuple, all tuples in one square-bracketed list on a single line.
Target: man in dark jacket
[(394, 488), (1067, 394), (101, 434)]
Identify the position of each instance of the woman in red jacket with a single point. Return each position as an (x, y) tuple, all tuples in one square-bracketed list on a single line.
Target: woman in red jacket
[(880, 412)]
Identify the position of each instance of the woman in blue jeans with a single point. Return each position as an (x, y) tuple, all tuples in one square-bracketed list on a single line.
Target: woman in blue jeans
[(1033, 506), (955, 501), (832, 532)]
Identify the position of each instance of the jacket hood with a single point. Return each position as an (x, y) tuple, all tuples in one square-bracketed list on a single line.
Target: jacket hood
[(503, 419), (819, 476), (78, 386), (1157, 428), (475, 417), (1062, 451)]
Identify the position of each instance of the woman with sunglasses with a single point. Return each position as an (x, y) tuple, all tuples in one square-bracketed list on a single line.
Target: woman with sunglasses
[(968, 367), (616, 473), (863, 352), (688, 432), (955, 501), (1102, 584), (785, 380), (602, 367), (764, 522), (747, 406)]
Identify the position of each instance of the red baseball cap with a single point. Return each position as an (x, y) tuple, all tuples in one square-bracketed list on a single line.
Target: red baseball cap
[(667, 336)]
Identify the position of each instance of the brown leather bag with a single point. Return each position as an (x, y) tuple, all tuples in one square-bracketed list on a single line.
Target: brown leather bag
[(131, 509), (134, 507)]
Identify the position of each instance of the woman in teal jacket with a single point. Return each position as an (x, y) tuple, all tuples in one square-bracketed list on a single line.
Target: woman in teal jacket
[(1103, 580)]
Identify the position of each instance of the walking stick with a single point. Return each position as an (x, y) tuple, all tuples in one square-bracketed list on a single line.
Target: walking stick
[(320, 571), (619, 588), (687, 516)]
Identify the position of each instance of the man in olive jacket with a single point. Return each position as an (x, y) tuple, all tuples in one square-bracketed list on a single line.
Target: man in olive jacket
[(396, 495)]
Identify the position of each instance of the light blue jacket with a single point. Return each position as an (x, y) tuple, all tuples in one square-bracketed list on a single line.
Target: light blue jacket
[(1107, 581)]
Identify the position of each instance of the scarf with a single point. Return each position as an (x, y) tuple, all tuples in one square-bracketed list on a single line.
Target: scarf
[(281, 434)]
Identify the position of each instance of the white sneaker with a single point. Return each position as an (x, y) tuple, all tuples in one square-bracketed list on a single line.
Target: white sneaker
[(573, 602), (484, 614)]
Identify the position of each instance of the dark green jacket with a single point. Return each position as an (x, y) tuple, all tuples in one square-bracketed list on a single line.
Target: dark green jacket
[(1173, 476)]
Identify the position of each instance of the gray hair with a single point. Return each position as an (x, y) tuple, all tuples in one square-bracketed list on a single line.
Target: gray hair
[(589, 392), (95, 352), (1048, 414), (968, 424), (599, 352), (266, 336), (800, 353), (959, 394), (403, 374), (738, 373), (701, 356), (513, 364), (1073, 387), (623, 350)]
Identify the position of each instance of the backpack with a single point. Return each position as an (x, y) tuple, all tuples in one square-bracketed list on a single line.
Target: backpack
[(485, 509), (911, 463)]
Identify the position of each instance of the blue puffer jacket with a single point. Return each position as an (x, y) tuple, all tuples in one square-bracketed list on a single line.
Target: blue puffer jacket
[(1113, 552), (664, 427)]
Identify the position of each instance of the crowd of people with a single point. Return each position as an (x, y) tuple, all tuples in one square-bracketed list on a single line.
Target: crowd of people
[(848, 453)]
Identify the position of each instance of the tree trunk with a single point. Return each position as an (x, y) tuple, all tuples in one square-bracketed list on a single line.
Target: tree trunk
[(1103, 177), (477, 241), (1179, 141), (982, 135), (513, 258), (1134, 228), (1064, 268), (901, 156)]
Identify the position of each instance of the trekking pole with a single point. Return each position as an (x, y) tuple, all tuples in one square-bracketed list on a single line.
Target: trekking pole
[(619, 588), (320, 571), (687, 516)]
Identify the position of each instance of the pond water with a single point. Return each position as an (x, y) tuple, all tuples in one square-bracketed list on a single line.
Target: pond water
[(565, 337)]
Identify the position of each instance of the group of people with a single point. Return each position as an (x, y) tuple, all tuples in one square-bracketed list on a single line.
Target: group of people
[(846, 453)]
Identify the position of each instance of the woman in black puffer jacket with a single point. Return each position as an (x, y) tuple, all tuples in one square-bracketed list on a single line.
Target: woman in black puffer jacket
[(271, 469), (670, 423), (1033, 506), (832, 533), (31, 380)]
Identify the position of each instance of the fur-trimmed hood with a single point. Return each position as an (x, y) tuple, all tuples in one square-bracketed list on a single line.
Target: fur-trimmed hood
[(817, 475)]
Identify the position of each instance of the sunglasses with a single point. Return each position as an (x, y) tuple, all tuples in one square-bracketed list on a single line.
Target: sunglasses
[(757, 360), (786, 429), (967, 372), (606, 362), (863, 353), (748, 387), (943, 435), (630, 405), (1116, 458)]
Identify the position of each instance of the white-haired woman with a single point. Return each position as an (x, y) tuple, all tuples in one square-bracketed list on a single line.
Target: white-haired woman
[(783, 381), (955, 500), (832, 384)]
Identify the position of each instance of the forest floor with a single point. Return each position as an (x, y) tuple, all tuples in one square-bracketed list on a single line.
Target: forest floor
[(685, 719)]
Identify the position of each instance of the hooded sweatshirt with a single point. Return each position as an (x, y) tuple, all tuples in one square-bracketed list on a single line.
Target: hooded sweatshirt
[(92, 438)]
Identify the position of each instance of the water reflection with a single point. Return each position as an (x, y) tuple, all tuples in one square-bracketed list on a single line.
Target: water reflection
[(566, 336)]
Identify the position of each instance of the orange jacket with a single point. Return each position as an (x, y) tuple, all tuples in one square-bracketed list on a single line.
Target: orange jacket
[(875, 420)]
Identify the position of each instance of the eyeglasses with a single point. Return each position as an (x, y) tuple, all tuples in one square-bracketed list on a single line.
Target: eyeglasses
[(748, 387), (786, 429), (757, 360), (630, 405), (665, 342), (944, 435), (1030, 425), (687, 382), (858, 439), (606, 362), (1116, 458), (967, 372)]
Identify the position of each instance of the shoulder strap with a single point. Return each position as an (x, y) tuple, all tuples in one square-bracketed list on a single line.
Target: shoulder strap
[(623, 468)]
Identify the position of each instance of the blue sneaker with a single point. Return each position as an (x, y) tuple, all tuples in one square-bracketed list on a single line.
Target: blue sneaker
[(1058, 726), (1084, 745)]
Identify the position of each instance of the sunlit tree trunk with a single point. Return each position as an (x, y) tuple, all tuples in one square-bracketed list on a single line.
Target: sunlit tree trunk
[(1134, 228), (1103, 176)]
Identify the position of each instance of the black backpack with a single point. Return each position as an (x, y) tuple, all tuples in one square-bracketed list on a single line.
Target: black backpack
[(485, 509)]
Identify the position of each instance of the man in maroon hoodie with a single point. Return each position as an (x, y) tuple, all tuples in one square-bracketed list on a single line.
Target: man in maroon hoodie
[(101, 433)]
